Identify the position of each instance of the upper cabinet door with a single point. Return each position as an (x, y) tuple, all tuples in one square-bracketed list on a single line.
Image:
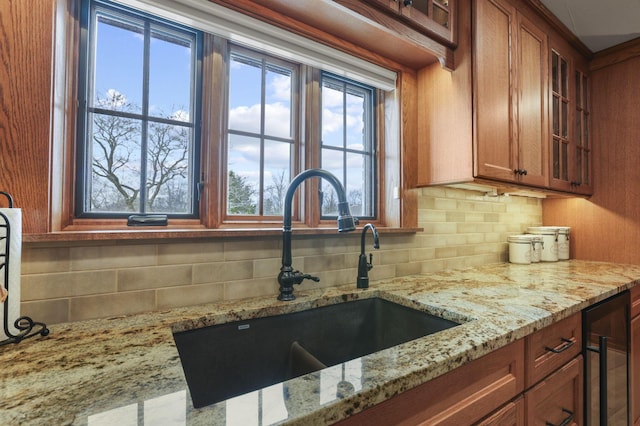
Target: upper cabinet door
[(570, 122), (494, 90), (532, 82), (510, 84)]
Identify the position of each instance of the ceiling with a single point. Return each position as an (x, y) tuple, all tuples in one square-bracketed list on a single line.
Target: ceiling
[(599, 23)]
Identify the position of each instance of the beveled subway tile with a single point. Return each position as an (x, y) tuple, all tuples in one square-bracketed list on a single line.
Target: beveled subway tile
[(382, 272), (68, 284), (45, 260), (392, 257), (252, 249), (108, 305), (52, 311), (264, 268), (250, 288), (325, 263), (153, 277), (192, 252), (187, 295), (112, 257), (411, 268), (222, 271)]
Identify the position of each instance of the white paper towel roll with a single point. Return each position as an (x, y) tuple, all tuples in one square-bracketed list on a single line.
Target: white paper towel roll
[(11, 265)]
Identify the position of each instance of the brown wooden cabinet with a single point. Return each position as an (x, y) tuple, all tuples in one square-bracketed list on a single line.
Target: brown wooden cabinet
[(435, 17), (512, 414), (528, 105), (551, 347), (558, 398), (554, 374), (634, 359), (510, 88), (462, 396), (570, 117), (534, 379)]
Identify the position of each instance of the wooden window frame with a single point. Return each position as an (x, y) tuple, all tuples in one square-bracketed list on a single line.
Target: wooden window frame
[(63, 188)]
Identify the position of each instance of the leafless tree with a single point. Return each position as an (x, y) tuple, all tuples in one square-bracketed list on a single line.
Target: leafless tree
[(116, 160)]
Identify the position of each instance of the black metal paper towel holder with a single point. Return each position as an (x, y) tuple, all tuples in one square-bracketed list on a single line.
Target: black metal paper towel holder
[(26, 326)]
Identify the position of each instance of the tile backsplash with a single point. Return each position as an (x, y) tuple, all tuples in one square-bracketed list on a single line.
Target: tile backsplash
[(78, 281)]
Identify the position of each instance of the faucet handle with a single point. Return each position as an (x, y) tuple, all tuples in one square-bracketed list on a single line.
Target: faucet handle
[(310, 277), (370, 263)]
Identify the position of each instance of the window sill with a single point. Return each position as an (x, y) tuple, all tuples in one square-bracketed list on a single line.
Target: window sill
[(183, 234)]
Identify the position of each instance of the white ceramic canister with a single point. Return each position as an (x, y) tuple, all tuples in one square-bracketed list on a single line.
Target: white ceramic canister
[(563, 242), (549, 236), (536, 247), (519, 249)]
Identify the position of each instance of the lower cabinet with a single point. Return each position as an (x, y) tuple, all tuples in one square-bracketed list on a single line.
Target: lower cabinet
[(537, 380), (557, 400), (634, 363), (512, 414), (461, 397)]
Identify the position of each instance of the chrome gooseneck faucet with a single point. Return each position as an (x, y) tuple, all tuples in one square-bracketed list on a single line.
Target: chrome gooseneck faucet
[(363, 266), (288, 276)]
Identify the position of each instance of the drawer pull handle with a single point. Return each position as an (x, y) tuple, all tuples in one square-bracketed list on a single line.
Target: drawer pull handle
[(567, 344), (566, 421)]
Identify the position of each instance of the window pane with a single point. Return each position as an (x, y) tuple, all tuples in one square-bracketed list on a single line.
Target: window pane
[(554, 72), (348, 141), (169, 174), (556, 116), (118, 56), (333, 114), (243, 173), (245, 88), (277, 112), (260, 131), (333, 162), (277, 175), (357, 194), (139, 157), (170, 65), (356, 121), (114, 155)]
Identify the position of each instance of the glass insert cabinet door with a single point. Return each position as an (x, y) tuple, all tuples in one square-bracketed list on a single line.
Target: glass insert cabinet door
[(560, 117), (435, 17)]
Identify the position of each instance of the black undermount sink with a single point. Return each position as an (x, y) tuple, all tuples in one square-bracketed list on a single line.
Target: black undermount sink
[(227, 360)]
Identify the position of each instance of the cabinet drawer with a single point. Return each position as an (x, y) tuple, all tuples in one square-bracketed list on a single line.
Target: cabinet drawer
[(460, 397), (548, 349), (512, 414), (635, 301), (557, 399)]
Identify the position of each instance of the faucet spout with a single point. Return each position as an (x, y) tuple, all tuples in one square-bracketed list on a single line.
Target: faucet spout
[(363, 266), (288, 276)]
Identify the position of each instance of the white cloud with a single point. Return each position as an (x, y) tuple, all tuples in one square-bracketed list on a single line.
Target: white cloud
[(247, 118), (280, 88), (180, 115), (113, 99)]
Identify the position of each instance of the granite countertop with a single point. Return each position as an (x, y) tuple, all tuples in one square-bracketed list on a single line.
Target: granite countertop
[(126, 370)]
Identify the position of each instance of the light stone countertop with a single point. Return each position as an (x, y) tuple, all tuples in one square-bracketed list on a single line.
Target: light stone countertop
[(126, 370)]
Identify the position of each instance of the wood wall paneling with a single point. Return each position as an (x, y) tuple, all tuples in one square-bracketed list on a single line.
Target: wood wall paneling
[(25, 106)]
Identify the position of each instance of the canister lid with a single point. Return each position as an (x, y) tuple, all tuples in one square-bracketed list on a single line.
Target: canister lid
[(519, 239), (543, 230), (563, 229)]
